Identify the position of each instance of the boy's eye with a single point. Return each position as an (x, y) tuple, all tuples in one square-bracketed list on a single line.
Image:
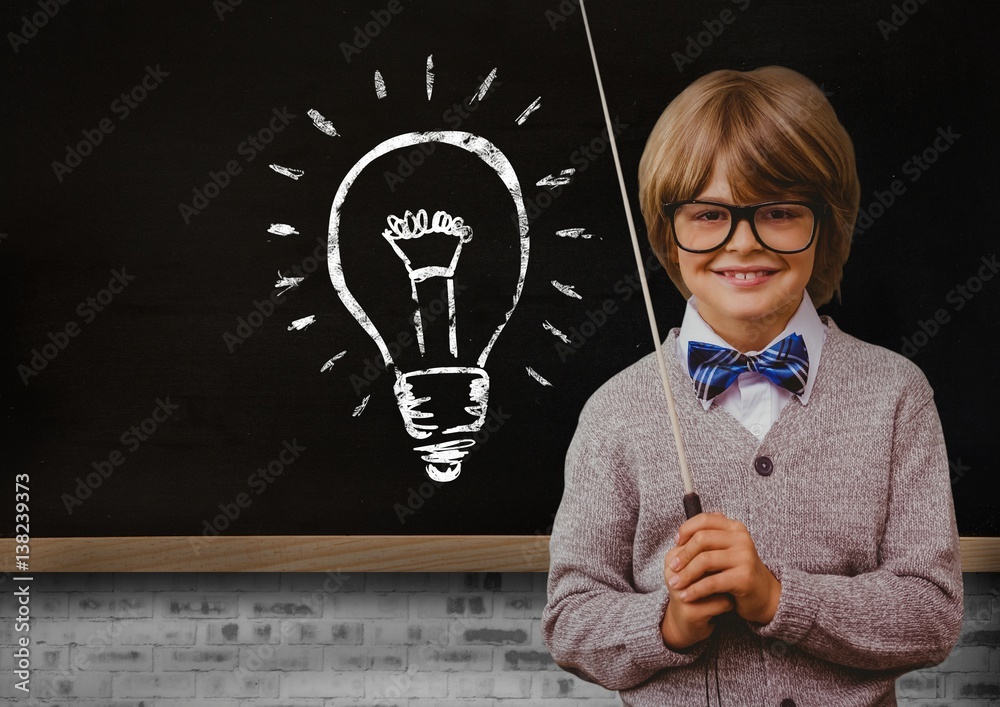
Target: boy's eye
[(712, 215), (778, 214)]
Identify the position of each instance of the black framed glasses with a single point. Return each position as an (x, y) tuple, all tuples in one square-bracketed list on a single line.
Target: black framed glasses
[(780, 226)]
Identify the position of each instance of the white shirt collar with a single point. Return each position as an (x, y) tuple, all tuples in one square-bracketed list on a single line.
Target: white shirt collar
[(805, 322)]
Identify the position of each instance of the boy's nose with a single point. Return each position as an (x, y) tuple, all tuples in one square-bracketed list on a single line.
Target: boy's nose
[(743, 239)]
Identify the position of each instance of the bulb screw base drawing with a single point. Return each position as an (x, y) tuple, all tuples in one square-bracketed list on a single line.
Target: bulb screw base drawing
[(443, 401)]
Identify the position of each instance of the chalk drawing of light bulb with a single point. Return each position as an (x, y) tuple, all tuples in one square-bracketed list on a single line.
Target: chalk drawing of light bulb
[(443, 399)]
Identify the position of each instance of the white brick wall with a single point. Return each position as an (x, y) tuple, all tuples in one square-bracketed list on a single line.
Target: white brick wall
[(359, 640)]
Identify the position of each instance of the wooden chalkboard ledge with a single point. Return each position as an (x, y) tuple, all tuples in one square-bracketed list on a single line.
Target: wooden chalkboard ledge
[(330, 553)]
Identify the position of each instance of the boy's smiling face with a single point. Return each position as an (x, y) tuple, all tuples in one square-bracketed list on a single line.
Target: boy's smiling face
[(748, 313)]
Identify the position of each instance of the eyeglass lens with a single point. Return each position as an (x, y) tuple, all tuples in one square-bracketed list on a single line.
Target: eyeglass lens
[(780, 226)]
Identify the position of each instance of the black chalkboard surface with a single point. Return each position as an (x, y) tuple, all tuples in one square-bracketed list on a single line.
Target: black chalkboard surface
[(177, 348)]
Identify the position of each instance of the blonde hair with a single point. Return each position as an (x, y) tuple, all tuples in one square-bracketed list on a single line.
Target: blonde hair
[(777, 136)]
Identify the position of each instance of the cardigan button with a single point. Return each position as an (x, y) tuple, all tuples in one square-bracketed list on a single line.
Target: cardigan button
[(763, 465), (788, 702)]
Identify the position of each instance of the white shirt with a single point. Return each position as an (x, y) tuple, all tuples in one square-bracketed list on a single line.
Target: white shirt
[(754, 400)]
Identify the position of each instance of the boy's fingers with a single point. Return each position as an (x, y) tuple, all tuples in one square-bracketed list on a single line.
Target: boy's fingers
[(718, 583), (702, 521), (701, 541), (705, 563)]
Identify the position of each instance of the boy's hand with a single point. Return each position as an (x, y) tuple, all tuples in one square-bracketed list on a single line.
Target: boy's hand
[(687, 622), (716, 555)]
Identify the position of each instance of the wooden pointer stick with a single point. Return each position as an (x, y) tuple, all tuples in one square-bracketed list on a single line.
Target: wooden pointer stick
[(692, 504)]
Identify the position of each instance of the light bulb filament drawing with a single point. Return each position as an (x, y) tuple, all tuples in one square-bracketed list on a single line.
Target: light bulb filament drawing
[(412, 226)]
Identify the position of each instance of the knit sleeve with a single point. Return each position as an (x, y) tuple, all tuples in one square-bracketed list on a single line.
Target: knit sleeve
[(595, 624), (907, 613)]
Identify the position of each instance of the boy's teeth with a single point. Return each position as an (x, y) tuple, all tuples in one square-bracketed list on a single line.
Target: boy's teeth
[(747, 275)]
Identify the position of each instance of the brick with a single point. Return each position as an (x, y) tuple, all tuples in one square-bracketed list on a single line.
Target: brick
[(974, 635), (323, 632), (79, 686), (282, 658), (324, 582), (195, 703), (42, 657), (240, 631), (522, 606), (395, 686), (168, 685), (238, 582), (528, 660), (502, 686), (491, 581), (435, 582), (43, 605), (233, 684), (73, 582), (176, 633), (280, 605), (113, 658), (171, 605), (324, 684), (410, 633), (566, 685), (974, 685), (304, 702), (443, 606), (450, 658), (103, 606), (134, 582), (195, 658), (540, 582), (364, 658), (495, 633), (977, 608), (969, 659), (369, 605), (74, 702), (919, 684), (45, 631)]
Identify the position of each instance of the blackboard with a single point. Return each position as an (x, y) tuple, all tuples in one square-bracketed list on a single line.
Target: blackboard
[(146, 336)]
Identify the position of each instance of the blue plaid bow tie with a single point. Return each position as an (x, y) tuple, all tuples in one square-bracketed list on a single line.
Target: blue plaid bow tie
[(714, 368)]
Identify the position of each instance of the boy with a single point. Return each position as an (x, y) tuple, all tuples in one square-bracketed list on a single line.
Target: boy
[(828, 563)]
